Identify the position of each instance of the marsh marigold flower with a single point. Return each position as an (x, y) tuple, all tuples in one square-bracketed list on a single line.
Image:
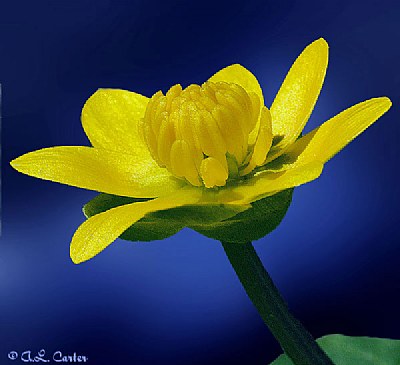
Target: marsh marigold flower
[(213, 148)]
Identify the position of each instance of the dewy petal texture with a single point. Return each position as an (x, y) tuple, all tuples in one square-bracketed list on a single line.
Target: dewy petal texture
[(99, 170), (325, 141), (110, 120), (99, 231), (298, 94), (268, 183)]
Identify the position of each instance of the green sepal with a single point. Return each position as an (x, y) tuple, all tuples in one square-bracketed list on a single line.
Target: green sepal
[(162, 224), (252, 224), (346, 350), (144, 230), (224, 222)]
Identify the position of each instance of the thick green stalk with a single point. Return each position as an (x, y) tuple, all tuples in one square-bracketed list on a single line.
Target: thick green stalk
[(294, 339)]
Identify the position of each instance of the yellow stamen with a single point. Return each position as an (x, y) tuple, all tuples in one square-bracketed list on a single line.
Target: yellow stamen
[(213, 173), (207, 133), (263, 142)]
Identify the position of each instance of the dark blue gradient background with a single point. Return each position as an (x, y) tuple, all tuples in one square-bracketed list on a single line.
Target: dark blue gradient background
[(336, 254)]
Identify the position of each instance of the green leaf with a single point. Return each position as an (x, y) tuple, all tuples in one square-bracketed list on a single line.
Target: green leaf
[(252, 224), (345, 350), (162, 224)]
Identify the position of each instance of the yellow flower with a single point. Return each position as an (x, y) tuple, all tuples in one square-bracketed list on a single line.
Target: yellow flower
[(214, 144)]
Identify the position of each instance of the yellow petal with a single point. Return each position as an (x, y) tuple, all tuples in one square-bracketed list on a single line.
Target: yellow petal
[(298, 94), (268, 183), (100, 170), (99, 231), (110, 119), (325, 141), (239, 75)]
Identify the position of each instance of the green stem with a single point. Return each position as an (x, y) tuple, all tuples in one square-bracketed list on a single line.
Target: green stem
[(294, 339)]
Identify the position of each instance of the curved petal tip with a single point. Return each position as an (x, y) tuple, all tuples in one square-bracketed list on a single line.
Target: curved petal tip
[(386, 102), (319, 48), (321, 42)]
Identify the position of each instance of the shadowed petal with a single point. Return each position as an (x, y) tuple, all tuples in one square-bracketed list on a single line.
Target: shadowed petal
[(99, 170), (110, 120), (99, 231), (241, 76)]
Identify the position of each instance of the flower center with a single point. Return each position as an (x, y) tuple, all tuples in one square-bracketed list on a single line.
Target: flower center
[(205, 134)]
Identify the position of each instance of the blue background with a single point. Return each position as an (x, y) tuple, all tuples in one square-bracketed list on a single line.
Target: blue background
[(336, 254)]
